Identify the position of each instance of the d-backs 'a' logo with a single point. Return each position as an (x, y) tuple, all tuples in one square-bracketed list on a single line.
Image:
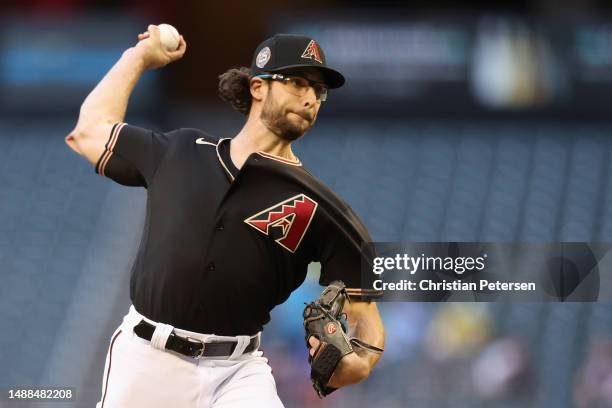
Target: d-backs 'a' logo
[(312, 52), (287, 221)]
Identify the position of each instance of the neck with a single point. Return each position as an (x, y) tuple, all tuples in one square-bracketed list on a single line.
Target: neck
[(256, 137)]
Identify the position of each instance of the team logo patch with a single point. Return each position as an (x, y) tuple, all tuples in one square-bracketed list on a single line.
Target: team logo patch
[(263, 57), (287, 221), (312, 52), (331, 328)]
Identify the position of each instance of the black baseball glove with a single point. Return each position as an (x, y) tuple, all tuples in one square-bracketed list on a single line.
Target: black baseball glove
[(325, 320)]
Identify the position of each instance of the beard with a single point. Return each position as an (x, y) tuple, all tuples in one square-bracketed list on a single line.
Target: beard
[(275, 119)]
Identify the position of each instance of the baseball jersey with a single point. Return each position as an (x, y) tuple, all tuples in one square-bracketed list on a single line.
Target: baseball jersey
[(221, 246)]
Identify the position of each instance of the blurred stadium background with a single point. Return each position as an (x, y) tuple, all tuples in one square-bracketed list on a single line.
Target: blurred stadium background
[(458, 122)]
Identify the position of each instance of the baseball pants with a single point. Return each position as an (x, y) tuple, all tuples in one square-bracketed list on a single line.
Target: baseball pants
[(137, 374)]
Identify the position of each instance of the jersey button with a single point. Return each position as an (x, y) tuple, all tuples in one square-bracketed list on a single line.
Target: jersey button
[(211, 266), (220, 227)]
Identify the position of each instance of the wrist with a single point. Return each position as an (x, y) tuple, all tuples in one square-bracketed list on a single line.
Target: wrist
[(135, 58), (351, 370)]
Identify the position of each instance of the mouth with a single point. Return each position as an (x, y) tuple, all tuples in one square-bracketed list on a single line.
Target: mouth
[(304, 115)]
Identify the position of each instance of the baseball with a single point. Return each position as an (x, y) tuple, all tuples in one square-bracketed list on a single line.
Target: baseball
[(169, 37)]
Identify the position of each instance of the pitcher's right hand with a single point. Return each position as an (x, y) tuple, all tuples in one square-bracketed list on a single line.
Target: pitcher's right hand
[(153, 53)]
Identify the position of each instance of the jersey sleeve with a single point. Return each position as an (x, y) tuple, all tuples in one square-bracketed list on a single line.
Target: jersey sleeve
[(132, 155), (343, 252)]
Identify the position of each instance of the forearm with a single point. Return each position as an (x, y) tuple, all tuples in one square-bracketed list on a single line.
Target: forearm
[(107, 103), (368, 327)]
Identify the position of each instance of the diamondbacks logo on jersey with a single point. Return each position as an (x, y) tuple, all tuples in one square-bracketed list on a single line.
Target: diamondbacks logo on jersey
[(312, 52), (287, 221)]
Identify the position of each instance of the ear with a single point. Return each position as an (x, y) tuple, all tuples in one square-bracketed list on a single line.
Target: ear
[(259, 89)]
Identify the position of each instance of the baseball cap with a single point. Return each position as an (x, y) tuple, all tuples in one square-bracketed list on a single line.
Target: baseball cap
[(286, 51)]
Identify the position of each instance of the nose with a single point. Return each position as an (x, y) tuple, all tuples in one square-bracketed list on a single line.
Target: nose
[(310, 98)]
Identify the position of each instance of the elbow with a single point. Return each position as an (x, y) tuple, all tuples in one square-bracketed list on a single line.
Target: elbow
[(72, 140), (360, 371), (363, 374), (85, 126), (359, 374), (80, 131)]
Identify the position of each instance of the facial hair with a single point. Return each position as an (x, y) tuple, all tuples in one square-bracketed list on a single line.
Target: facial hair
[(275, 119)]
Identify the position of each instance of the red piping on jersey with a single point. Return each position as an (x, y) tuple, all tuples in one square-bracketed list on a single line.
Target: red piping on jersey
[(110, 360), (107, 151), (280, 159), (110, 146), (221, 160)]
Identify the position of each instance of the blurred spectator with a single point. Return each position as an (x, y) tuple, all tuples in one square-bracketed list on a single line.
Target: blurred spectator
[(459, 330), (502, 370), (593, 386), (514, 66)]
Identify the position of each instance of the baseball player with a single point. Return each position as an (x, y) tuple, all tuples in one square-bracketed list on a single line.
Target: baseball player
[(231, 226)]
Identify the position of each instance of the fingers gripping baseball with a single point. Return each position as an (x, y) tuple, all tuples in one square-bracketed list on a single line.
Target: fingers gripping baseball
[(153, 51)]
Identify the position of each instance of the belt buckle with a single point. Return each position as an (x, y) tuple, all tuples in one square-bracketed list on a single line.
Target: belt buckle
[(194, 340)]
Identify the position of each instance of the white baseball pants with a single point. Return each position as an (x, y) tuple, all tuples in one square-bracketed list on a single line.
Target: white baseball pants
[(138, 375)]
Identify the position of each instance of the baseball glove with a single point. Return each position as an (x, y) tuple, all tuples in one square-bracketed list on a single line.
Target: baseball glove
[(325, 320)]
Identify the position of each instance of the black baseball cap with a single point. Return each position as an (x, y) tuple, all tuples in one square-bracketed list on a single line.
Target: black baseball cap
[(286, 51)]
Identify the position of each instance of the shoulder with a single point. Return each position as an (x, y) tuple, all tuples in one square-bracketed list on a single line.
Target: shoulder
[(192, 136), (339, 212), (324, 191)]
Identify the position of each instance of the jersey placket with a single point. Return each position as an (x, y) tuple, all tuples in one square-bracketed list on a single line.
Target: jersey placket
[(233, 177)]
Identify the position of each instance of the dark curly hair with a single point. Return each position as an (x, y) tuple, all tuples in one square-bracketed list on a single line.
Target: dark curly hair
[(234, 87)]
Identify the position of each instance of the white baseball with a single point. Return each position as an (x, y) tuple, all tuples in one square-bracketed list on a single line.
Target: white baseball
[(169, 37)]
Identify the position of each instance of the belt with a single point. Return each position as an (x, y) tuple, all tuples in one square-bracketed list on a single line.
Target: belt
[(195, 348)]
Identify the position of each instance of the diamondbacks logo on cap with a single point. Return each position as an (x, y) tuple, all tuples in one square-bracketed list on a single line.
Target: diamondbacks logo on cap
[(286, 221), (312, 52), (263, 57)]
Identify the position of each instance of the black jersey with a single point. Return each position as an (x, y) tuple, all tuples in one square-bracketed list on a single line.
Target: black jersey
[(221, 246)]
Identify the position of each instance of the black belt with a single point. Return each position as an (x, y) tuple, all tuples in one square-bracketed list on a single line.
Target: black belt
[(191, 347)]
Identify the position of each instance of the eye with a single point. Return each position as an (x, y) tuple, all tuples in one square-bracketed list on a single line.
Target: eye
[(320, 89), (298, 82)]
